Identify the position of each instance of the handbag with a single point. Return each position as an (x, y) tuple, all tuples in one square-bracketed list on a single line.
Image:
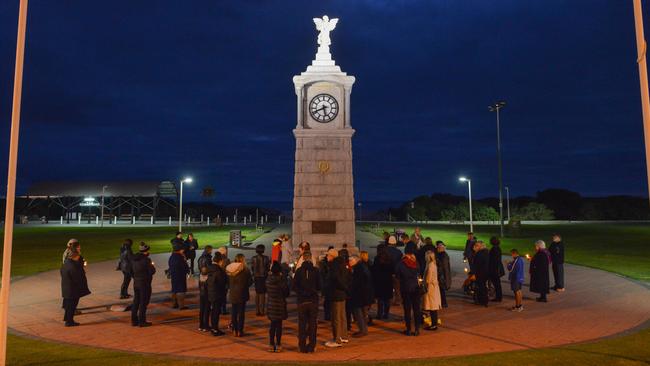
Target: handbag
[(422, 285)]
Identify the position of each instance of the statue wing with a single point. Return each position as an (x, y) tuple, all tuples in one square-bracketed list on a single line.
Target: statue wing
[(333, 23), (319, 23)]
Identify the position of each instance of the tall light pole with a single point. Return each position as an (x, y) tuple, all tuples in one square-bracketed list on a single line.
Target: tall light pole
[(469, 188), (180, 203), (508, 202), (102, 211), (641, 46), (11, 180), (496, 107)]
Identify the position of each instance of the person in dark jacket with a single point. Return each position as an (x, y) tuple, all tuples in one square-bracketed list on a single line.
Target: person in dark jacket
[(468, 253), (177, 241), (206, 257), (126, 254), (143, 271), (278, 290), (226, 261), (323, 267), (444, 271), (481, 270), (407, 272), (239, 280), (395, 257), (539, 276), (204, 302), (260, 265), (217, 280), (495, 268), (382, 281), (337, 286), (409, 244), (74, 286), (191, 245), (557, 258), (306, 284), (178, 271), (361, 294)]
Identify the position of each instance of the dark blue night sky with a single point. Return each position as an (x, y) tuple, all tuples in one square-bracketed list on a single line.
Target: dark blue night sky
[(125, 90)]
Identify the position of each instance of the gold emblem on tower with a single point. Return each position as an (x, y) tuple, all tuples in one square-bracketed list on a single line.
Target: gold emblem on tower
[(323, 166)]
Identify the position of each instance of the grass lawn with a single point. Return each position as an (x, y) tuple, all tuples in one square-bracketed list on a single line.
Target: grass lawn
[(618, 248), (627, 350), (38, 249)]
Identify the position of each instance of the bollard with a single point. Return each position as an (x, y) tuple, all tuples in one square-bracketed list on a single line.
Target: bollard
[(61, 220), (227, 220), (207, 222), (170, 221), (152, 220), (115, 220), (133, 220), (96, 220), (201, 218), (244, 220), (279, 219), (250, 218), (79, 220)]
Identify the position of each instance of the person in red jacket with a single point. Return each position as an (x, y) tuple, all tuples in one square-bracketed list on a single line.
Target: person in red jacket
[(276, 251)]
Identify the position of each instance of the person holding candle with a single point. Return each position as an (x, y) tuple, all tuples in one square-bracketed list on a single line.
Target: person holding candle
[(539, 273), (74, 285)]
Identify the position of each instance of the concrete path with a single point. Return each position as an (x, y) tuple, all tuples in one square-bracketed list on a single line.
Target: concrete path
[(597, 304)]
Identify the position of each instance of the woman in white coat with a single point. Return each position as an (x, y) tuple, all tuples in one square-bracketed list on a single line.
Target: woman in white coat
[(431, 300)]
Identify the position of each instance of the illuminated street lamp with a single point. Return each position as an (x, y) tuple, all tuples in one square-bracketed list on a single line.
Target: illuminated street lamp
[(469, 188), (180, 203), (496, 107), (508, 202)]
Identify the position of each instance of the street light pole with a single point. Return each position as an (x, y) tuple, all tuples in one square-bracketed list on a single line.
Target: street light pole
[(641, 46), (496, 107), (11, 180), (180, 204), (102, 211), (469, 188), (508, 202)]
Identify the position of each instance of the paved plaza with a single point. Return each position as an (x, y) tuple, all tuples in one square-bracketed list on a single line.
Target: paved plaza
[(596, 304)]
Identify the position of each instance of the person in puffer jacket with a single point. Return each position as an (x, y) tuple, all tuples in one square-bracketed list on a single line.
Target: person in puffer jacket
[(239, 279)]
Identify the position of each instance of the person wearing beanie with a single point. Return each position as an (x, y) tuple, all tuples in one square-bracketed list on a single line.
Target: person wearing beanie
[(217, 280), (278, 291), (261, 264), (143, 271), (337, 284), (407, 273), (74, 285), (177, 241), (178, 270), (206, 257), (306, 284), (126, 256)]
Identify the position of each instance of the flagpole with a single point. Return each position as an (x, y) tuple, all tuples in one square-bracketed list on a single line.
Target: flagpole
[(641, 46), (11, 180)]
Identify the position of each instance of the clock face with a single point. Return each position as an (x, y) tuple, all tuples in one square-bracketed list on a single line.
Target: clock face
[(323, 108)]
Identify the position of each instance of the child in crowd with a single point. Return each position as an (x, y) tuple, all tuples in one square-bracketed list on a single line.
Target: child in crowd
[(516, 277)]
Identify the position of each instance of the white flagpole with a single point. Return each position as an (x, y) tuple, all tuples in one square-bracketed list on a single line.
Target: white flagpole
[(643, 79), (11, 180)]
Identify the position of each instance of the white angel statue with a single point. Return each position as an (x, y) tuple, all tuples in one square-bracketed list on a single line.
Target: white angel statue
[(325, 26)]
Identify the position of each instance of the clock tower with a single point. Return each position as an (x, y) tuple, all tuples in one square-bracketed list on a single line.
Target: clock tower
[(323, 199)]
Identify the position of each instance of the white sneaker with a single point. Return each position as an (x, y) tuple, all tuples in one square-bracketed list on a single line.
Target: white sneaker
[(332, 344), (345, 340), (520, 309)]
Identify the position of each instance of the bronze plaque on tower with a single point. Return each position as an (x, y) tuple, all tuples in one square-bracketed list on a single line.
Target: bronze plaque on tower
[(323, 227)]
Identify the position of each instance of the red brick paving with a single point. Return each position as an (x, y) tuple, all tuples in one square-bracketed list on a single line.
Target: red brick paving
[(597, 304)]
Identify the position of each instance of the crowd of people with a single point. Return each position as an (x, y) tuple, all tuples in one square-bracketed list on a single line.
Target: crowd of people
[(408, 271)]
